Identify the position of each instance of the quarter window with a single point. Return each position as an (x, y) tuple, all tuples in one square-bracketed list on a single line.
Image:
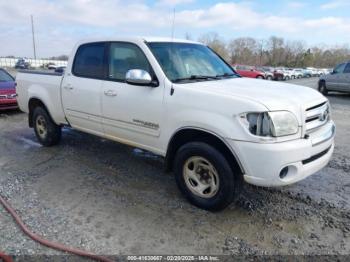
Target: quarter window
[(124, 57), (89, 61)]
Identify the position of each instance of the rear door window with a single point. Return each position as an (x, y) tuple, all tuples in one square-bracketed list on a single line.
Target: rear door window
[(90, 61)]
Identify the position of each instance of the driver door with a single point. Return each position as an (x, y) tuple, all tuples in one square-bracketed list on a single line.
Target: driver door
[(334, 80)]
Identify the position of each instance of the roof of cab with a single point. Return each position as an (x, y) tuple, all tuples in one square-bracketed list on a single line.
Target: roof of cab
[(136, 40)]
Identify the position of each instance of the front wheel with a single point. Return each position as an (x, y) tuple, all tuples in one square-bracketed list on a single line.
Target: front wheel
[(322, 88), (46, 131), (260, 77), (269, 78), (205, 177)]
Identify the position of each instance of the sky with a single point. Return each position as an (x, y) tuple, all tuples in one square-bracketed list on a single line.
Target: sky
[(60, 23)]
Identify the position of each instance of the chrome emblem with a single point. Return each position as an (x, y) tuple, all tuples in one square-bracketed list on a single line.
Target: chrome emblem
[(324, 116)]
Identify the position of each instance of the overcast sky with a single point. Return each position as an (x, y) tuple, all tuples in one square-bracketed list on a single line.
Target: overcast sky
[(60, 23)]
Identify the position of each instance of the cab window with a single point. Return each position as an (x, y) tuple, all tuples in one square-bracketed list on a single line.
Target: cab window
[(339, 68), (89, 61), (124, 57)]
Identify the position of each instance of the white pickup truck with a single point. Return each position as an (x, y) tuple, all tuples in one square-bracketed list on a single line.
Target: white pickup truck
[(180, 100)]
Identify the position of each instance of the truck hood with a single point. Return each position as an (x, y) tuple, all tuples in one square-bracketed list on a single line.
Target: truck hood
[(273, 95)]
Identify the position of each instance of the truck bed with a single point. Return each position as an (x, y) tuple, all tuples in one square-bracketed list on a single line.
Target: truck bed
[(48, 84)]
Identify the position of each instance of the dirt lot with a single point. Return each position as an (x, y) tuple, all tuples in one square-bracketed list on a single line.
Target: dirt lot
[(112, 199)]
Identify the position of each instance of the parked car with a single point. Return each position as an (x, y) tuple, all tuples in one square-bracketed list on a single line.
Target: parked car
[(299, 73), (22, 64), (249, 71), (337, 80), (7, 91), (269, 75), (51, 66), (286, 74), (308, 72), (291, 73), (60, 69), (214, 128)]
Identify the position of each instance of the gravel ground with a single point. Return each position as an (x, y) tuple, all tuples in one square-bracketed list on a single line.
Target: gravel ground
[(111, 199)]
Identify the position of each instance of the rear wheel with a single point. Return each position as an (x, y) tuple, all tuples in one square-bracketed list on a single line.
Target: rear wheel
[(260, 77), (322, 88), (205, 177), (46, 131), (287, 78), (269, 78)]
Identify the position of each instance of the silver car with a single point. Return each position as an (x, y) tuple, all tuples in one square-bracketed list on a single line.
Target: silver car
[(337, 80)]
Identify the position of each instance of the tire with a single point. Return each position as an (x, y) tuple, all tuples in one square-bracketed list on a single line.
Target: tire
[(225, 185), (46, 131), (260, 77), (287, 78), (269, 78), (322, 88)]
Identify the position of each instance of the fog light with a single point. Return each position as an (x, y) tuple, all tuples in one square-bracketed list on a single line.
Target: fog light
[(284, 172)]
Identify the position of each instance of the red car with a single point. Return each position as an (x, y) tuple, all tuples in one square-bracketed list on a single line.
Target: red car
[(249, 71), (7, 91)]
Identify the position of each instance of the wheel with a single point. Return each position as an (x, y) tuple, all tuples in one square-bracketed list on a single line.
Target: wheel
[(287, 78), (205, 177), (46, 131), (260, 77), (269, 78), (322, 88), (279, 78)]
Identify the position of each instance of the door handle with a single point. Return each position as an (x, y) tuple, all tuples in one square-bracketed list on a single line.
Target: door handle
[(68, 87), (110, 93)]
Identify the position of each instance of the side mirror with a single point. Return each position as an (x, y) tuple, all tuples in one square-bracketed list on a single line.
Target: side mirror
[(138, 77)]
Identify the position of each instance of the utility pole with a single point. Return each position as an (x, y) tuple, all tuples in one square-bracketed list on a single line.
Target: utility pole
[(31, 18)]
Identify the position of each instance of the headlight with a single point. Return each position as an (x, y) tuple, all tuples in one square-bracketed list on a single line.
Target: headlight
[(275, 124)]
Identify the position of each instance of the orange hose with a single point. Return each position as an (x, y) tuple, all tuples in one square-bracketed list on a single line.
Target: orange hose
[(5, 258), (46, 242)]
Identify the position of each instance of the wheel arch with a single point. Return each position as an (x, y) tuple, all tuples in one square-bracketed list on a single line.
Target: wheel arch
[(32, 104), (191, 134)]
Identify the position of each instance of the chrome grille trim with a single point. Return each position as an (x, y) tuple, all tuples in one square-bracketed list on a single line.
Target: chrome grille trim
[(316, 116)]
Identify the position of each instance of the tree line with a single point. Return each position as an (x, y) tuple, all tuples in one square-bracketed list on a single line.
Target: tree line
[(275, 51)]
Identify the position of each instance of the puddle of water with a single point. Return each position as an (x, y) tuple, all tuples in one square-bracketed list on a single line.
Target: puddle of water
[(30, 142), (145, 154)]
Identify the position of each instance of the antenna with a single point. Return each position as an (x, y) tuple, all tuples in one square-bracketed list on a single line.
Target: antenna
[(31, 19), (173, 25)]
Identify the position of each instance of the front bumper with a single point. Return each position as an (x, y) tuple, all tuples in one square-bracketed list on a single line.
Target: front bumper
[(263, 162), (8, 104)]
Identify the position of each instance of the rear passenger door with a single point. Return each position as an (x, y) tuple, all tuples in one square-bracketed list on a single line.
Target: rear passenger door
[(81, 88)]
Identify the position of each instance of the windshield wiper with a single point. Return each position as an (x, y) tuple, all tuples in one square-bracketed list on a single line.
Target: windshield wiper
[(226, 75), (194, 77)]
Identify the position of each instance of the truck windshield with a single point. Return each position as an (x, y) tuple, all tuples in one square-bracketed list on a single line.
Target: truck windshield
[(187, 62)]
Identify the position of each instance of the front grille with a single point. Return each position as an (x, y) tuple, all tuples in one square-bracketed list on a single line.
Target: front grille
[(315, 157), (316, 116)]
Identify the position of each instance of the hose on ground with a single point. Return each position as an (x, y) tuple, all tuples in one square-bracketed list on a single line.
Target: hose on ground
[(46, 242)]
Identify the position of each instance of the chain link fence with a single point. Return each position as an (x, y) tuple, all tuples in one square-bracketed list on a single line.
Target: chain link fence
[(33, 63)]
